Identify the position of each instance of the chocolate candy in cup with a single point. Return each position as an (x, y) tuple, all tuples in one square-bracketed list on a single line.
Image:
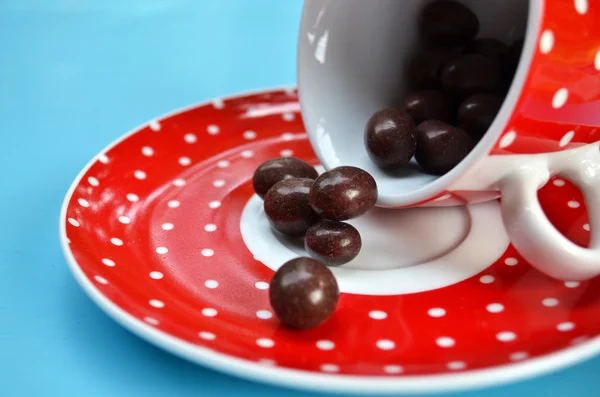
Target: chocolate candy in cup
[(272, 171), (492, 49), (470, 74), (447, 22), (390, 138), (427, 105), (425, 68), (511, 62), (287, 209), (477, 113), (440, 146), (303, 293), (333, 243), (343, 193)]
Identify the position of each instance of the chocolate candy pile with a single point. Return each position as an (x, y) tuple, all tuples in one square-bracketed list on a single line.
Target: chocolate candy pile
[(458, 85), (297, 203)]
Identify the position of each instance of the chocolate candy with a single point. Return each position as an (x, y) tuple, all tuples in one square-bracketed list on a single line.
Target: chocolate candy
[(470, 74), (343, 193), (440, 146), (492, 49), (286, 206), (390, 138), (427, 105), (272, 171), (303, 293), (425, 68), (445, 22), (477, 113), (333, 243), (511, 62)]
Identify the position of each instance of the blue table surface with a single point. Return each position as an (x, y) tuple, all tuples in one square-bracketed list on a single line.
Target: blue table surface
[(75, 75)]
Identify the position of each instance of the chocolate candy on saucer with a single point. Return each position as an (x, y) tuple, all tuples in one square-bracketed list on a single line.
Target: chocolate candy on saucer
[(477, 113), (343, 193), (303, 293), (390, 138), (333, 243), (287, 208), (492, 49), (446, 22), (440, 146), (470, 74), (427, 105), (272, 171)]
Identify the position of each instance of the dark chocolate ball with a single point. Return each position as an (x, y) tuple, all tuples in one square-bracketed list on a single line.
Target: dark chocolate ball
[(333, 243), (424, 69), (390, 138), (470, 74), (492, 49), (477, 113), (440, 146), (303, 293), (446, 22), (287, 208), (272, 171), (427, 105), (343, 193)]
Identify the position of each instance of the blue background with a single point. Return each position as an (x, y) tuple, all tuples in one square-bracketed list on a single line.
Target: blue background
[(74, 76)]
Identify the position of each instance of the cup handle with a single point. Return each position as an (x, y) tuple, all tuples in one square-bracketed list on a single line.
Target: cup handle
[(531, 232)]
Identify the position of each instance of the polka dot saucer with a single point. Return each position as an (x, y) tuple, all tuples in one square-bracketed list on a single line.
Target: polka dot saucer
[(163, 232)]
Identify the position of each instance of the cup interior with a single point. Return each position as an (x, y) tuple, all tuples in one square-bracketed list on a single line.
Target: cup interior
[(352, 60)]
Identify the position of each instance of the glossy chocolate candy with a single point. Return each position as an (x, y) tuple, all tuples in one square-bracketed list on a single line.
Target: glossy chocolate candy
[(440, 146), (390, 138), (333, 243), (446, 22), (427, 105), (477, 113), (272, 171), (287, 208), (470, 74)]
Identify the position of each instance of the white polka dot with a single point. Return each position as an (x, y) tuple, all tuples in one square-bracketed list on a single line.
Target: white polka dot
[(151, 320), (330, 368), (139, 175), (393, 369), (249, 135), (495, 308), (157, 303), (213, 129), (377, 315), (132, 197), (573, 204), (83, 202), (179, 182), (456, 365), (436, 312), (564, 141), (385, 344), (546, 41), (506, 336), (74, 222), (550, 302), (219, 183), (101, 280), (173, 203), (247, 154), (124, 220), (116, 241), (93, 181), (579, 339), (566, 326), (207, 252), (287, 153), (214, 204), (218, 103), (156, 275), (190, 138), (154, 125), (288, 136), (212, 284), (147, 151), (68, 240), (264, 314), (507, 139), (209, 312), (597, 61), (324, 344), (571, 284), (103, 158), (445, 341), (223, 164), (261, 285), (558, 182), (162, 250), (167, 226), (518, 356), (511, 261), (210, 227), (487, 279), (288, 116), (265, 342), (560, 98), (586, 227), (581, 6), (207, 335), (267, 362), (185, 161), (108, 262)]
